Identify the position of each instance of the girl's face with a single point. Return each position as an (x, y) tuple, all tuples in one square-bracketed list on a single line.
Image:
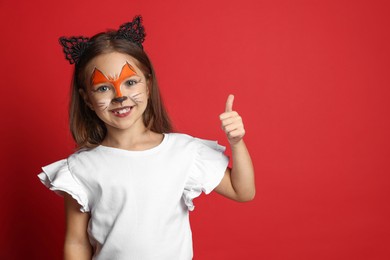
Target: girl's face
[(117, 90)]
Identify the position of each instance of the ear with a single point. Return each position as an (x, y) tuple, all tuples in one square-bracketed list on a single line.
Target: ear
[(84, 95)]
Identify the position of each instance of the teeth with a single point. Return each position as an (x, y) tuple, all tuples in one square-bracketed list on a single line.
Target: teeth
[(122, 111)]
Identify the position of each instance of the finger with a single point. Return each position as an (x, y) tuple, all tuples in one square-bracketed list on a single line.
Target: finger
[(231, 127), (229, 103), (237, 133), (237, 120), (225, 115)]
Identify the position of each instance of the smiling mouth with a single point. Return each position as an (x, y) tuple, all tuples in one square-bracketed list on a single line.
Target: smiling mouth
[(121, 111)]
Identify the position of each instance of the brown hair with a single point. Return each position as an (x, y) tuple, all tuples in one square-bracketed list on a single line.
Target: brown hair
[(86, 127)]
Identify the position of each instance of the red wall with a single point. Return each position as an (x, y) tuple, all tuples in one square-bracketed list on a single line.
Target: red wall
[(311, 80)]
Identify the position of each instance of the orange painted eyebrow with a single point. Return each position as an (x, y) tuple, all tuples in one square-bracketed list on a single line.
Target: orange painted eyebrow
[(98, 77)]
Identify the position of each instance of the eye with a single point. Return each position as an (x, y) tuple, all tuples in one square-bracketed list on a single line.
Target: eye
[(130, 82), (103, 88)]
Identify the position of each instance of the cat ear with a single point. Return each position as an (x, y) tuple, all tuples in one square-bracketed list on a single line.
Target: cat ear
[(74, 47), (132, 31)]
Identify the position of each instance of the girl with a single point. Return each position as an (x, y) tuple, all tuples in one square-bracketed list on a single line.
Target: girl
[(129, 187)]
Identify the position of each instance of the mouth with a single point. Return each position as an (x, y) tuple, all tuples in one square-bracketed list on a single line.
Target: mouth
[(122, 111)]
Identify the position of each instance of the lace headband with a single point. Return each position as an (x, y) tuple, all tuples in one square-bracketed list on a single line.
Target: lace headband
[(75, 46)]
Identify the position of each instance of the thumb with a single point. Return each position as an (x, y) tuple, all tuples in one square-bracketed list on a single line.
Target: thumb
[(229, 103)]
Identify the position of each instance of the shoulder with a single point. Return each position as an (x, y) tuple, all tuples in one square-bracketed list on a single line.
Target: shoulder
[(179, 140), (179, 137), (83, 153), (186, 140), (85, 157), (179, 145)]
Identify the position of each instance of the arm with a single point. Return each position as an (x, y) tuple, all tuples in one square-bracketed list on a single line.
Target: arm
[(238, 183), (77, 244)]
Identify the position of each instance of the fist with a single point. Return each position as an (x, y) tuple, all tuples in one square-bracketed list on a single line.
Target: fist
[(232, 123)]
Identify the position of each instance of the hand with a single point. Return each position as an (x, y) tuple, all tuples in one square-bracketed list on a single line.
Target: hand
[(232, 123)]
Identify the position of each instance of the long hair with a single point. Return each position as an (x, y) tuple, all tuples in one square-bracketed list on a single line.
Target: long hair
[(86, 127)]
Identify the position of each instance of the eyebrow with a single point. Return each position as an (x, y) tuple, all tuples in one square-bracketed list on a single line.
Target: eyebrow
[(98, 76)]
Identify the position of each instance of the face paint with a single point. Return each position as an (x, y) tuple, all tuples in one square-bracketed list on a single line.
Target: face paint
[(136, 98), (116, 89), (99, 78)]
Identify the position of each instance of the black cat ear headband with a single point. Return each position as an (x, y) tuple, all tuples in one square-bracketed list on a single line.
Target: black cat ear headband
[(74, 47)]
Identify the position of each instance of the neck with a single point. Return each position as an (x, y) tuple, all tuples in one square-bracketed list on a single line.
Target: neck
[(137, 139), (129, 138)]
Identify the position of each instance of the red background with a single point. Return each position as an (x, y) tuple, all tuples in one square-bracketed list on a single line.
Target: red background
[(311, 80)]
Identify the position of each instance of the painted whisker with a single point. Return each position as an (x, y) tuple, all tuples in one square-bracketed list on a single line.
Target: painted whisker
[(135, 98), (104, 106)]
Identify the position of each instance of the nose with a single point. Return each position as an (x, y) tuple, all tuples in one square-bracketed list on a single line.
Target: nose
[(119, 99)]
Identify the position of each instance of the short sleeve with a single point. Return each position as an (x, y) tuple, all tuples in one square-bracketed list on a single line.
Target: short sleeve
[(207, 172), (58, 178)]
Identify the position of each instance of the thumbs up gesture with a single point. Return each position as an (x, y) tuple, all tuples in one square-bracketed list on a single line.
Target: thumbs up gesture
[(232, 122)]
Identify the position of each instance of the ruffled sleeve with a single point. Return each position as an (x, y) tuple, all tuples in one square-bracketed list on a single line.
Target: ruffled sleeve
[(207, 172), (58, 178)]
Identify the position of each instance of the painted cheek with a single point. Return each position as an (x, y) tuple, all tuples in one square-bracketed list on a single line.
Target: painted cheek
[(103, 104)]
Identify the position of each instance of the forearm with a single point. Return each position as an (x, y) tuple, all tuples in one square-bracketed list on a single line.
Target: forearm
[(239, 182), (76, 246), (77, 251), (242, 173)]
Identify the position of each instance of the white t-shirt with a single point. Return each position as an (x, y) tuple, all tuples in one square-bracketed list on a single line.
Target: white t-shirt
[(139, 200)]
